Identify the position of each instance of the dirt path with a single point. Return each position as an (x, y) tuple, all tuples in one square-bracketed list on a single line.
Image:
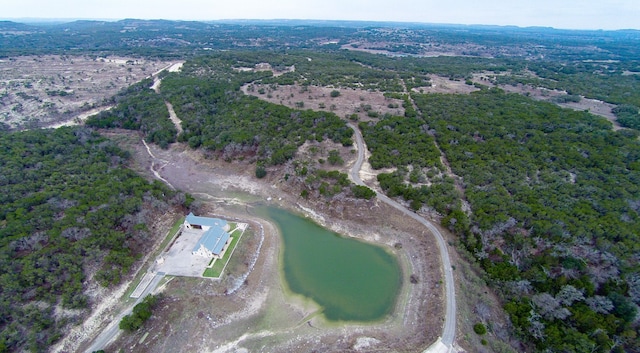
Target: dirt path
[(153, 168), (445, 162), (81, 118), (174, 117), (156, 87)]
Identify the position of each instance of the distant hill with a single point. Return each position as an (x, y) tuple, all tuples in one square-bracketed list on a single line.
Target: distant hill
[(15, 26), (171, 38)]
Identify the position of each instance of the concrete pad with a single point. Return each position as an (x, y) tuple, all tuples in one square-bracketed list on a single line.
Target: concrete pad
[(144, 282), (178, 260), (438, 347)]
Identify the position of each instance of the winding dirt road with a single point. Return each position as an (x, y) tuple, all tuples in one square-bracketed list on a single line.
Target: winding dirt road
[(445, 342)]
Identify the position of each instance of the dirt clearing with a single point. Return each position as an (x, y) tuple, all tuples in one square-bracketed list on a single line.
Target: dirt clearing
[(347, 102), (44, 90), (441, 84)]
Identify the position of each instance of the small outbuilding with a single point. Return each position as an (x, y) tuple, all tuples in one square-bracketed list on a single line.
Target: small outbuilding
[(215, 238)]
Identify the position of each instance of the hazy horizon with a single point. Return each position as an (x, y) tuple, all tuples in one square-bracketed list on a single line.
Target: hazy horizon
[(567, 14), (52, 20)]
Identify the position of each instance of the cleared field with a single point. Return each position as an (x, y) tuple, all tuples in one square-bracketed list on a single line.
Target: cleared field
[(38, 91), (350, 102)]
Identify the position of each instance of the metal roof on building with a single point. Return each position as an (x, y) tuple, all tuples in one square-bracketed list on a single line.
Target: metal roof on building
[(213, 240), (205, 221), (215, 237)]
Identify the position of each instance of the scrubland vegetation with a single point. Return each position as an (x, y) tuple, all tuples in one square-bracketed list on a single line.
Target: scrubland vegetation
[(544, 201)]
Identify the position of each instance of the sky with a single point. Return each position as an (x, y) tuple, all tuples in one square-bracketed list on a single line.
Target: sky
[(568, 14)]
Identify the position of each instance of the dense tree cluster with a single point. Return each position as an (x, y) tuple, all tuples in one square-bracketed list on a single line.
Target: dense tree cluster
[(362, 192), (555, 220), (337, 70), (160, 38), (140, 314), (326, 183), (439, 194), (68, 209), (399, 141), (415, 70), (628, 115), (407, 143)]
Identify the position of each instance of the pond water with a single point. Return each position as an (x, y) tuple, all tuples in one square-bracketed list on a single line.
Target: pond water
[(351, 280)]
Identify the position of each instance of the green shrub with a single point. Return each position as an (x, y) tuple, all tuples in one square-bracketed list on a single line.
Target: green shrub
[(141, 313), (479, 328), (260, 172), (363, 192)]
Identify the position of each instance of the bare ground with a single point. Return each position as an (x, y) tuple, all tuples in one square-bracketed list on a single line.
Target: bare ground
[(43, 90), (350, 101), (260, 314), (441, 84), (267, 67), (428, 49)]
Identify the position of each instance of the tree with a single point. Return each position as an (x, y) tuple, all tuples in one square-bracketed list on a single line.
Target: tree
[(261, 172), (335, 93), (140, 314), (69, 200), (569, 294), (549, 307), (623, 308)]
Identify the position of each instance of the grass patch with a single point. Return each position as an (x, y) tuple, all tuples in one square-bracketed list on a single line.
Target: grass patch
[(171, 233), (218, 267), (177, 225)]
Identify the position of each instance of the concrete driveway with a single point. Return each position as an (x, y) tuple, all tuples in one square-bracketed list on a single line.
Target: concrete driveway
[(179, 261)]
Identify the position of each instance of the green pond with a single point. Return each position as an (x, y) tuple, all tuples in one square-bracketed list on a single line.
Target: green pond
[(351, 280)]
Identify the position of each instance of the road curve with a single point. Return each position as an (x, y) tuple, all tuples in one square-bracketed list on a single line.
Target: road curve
[(449, 329)]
